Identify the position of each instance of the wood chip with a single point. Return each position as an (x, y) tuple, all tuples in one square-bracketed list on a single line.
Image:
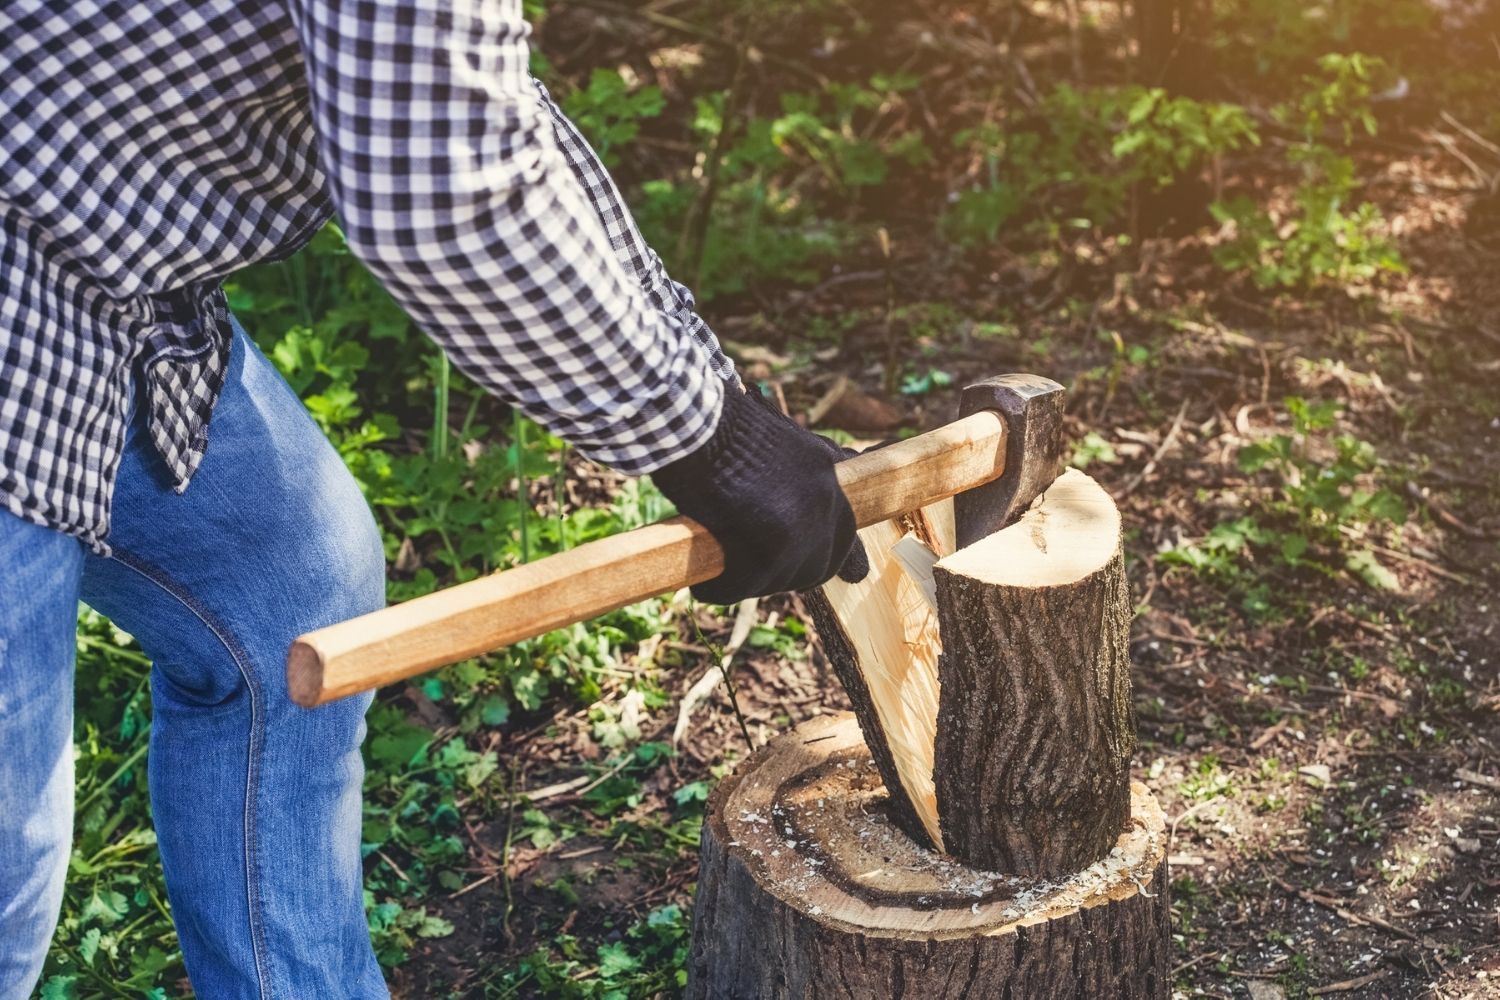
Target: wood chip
[(1317, 772)]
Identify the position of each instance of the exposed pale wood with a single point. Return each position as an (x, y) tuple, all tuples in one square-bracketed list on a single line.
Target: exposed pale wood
[(1035, 727), (881, 637), (917, 559), (598, 577), (807, 890)]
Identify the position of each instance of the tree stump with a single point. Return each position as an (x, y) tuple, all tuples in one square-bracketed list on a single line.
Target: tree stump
[(972, 830), (807, 890)]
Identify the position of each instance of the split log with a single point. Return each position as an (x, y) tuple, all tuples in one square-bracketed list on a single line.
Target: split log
[(881, 637), (1035, 727), (983, 838), (807, 889)]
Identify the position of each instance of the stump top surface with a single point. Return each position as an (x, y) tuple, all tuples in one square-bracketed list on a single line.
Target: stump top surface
[(1071, 531), (806, 815)]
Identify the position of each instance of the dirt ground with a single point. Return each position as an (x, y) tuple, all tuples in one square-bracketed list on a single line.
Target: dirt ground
[(1330, 771)]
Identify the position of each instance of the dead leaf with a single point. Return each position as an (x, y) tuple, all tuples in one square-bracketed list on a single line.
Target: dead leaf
[(1319, 773), (857, 411)]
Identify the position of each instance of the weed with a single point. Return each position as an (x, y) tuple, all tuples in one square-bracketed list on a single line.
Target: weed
[(1083, 152), (610, 113), (1323, 493), (1328, 240), (1094, 447)]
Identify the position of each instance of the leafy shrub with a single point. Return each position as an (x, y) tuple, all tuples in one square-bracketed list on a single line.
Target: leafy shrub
[(610, 113), (1084, 151), (1279, 40), (1323, 488), (1326, 240), (775, 189)]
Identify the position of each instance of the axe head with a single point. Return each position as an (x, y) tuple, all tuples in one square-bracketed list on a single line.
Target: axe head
[(1033, 411)]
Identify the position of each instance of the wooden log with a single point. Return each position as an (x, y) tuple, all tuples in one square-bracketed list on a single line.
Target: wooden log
[(1035, 727), (807, 889), (881, 637)]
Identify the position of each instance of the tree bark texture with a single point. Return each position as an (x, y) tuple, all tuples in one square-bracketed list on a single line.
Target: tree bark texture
[(807, 890), (1035, 725)]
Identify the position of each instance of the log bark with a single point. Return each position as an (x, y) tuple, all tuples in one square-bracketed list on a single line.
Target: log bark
[(1035, 727), (807, 890)]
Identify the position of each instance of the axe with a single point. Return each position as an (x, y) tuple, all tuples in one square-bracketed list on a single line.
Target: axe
[(1004, 449)]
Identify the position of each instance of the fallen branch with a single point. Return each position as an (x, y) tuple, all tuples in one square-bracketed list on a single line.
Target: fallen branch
[(1336, 906), (1445, 516), (1270, 734), (744, 621), (1475, 778), (1166, 443), (1346, 985)]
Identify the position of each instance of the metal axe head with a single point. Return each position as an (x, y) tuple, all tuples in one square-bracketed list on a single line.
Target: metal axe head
[(1033, 410)]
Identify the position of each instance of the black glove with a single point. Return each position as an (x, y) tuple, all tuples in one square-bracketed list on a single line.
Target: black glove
[(766, 490)]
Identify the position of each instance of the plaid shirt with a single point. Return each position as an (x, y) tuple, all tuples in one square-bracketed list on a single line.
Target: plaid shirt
[(149, 148)]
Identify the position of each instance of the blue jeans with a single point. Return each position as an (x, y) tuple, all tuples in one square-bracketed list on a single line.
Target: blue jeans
[(256, 801)]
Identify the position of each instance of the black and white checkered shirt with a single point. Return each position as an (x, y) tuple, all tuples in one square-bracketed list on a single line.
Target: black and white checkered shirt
[(148, 148)]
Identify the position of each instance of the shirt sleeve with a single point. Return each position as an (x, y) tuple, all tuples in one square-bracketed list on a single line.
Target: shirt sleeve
[(667, 295), (444, 163)]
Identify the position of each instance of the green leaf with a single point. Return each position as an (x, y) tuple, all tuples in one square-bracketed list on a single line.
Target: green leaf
[(1364, 565), (693, 791), (495, 710), (402, 748), (616, 960), (60, 988), (1386, 506), (1293, 546), (433, 927), (107, 907), (145, 965), (667, 916), (88, 945)]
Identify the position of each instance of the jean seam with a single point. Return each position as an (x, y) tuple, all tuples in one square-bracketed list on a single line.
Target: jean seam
[(254, 905)]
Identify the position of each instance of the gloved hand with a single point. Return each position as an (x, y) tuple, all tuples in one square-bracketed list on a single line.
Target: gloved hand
[(765, 489)]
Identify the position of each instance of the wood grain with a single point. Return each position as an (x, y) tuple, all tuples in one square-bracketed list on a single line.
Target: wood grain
[(806, 889), (582, 583), (881, 637)]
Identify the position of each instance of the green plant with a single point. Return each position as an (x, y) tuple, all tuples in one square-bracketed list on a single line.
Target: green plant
[(774, 188), (1083, 151), (914, 384), (648, 959), (1322, 491), (1094, 447), (1327, 240), (610, 113), (1278, 40), (115, 938)]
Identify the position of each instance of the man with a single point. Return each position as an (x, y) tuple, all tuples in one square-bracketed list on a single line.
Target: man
[(148, 148)]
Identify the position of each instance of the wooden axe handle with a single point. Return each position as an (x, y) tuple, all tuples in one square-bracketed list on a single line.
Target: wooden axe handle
[(600, 576)]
